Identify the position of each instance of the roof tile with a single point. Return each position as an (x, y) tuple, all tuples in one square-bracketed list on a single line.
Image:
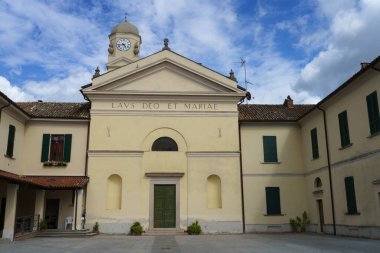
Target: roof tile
[(47, 182), (56, 110), (262, 112)]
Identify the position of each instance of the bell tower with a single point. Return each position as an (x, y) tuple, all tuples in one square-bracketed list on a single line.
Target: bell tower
[(124, 47)]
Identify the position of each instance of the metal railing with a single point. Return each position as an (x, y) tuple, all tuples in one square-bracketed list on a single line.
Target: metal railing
[(27, 223)]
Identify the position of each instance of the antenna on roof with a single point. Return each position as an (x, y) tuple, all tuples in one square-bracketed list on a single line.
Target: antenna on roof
[(242, 64)]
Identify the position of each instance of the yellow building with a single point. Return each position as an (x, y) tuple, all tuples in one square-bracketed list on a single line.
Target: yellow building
[(165, 141)]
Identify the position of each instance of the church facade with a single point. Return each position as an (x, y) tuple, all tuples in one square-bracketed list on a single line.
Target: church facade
[(166, 142)]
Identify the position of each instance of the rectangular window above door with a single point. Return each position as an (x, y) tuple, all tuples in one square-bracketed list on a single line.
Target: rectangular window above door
[(56, 149)]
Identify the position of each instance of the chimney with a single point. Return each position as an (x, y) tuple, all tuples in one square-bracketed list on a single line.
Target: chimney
[(364, 65), (288, 102)]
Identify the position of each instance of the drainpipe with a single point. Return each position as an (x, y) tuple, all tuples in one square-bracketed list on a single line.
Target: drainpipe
[(241, 181), (76, 209), (329, 168), (86, 174)]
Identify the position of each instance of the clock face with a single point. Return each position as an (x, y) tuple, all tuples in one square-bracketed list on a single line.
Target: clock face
[(123, 44)]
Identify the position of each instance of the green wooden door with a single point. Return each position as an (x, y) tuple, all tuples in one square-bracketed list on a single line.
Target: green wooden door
[(164, 206)]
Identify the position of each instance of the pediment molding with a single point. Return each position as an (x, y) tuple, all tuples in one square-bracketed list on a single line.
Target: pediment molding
[(163, 61)]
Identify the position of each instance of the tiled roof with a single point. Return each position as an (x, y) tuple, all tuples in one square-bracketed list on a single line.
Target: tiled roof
[(260, 112), (56, 110), (47, 182)]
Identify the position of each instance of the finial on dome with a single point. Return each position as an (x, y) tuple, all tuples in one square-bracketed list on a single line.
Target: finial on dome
[(166, 44), (125, 16), (97, 72)]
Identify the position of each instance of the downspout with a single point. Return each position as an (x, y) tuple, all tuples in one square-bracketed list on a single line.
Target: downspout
[(84, 211), (241, 181), (329, 168), (76, 209)]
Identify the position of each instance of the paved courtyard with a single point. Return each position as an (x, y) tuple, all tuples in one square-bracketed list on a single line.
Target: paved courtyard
[(271, 243)]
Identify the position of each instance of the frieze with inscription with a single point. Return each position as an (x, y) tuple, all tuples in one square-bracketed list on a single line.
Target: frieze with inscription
[(164, 106)]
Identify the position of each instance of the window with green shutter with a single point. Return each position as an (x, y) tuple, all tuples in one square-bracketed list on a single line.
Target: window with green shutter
[(373, 113), (343, 127), (56, 148), (270, 149), (11, 140), (350, 195), (273, 200), (314, 143)]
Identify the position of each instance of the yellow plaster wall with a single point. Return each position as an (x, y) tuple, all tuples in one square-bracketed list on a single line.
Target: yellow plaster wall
[(289, 149), (129, 132), (13, 165), (288, 174), (32, 148)]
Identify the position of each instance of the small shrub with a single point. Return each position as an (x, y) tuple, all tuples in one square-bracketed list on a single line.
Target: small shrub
[(136, 228), (95, 228), (194, 229), (299, 224), (43, 224)]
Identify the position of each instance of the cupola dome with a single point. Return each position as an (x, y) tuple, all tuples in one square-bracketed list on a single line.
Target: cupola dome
[(125, 27)]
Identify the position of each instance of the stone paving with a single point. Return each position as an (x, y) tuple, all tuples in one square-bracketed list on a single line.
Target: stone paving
[(271, 243)]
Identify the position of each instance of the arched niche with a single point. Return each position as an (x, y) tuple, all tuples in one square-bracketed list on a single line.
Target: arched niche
[(114, 192), (214, 192), (317, 182)]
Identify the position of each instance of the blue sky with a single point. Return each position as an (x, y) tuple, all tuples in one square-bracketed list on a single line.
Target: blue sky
[(305, 48)]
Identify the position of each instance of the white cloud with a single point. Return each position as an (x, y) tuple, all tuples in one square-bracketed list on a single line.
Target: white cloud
[(14, 92), (353, 38), (69, 40), (60, 89)]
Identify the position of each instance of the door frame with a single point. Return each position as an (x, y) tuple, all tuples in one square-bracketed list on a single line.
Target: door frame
[(321, 215), (58, 212), (164, 180)]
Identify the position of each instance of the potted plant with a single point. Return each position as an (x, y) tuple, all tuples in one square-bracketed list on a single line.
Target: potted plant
[(43, 224), (136, 228), (95, 228), (194, 229)]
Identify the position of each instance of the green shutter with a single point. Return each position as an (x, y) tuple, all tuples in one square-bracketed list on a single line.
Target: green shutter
[(273, 200), (11, 140), (373, 112), (343, 127), (314, 143), (45, 147), (270, 149), (350, 195), (67, 148)]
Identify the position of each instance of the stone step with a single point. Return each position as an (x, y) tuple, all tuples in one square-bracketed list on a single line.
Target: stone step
[(154, 232), (65, 233)]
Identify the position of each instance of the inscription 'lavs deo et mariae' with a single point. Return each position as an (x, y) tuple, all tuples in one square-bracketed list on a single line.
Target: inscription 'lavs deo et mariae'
[(164, 106)]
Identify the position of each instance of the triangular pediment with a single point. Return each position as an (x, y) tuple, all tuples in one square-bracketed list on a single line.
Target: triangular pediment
[(163, 72)]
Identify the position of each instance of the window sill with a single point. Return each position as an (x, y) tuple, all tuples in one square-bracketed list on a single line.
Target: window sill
[(346, 146), (280, 214), (270, 162), (9, 157), (314, 159), (55, 164), (374, 134), (352, 213), (318, 191)]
